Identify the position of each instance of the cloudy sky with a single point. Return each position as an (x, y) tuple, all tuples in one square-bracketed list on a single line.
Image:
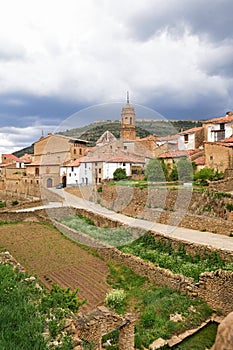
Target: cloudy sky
[(58, 57)]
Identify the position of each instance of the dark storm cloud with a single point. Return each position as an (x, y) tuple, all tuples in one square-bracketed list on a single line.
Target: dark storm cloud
[(210, 19), (22, 110), (219, 63)]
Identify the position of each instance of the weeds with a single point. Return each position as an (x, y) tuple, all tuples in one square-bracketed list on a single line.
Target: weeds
[(176, 260)]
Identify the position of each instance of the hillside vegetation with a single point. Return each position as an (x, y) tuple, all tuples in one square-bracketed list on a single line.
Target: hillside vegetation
[(145, 127)]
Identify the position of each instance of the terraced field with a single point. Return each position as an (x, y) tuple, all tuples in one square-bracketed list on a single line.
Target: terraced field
[(45, 252)]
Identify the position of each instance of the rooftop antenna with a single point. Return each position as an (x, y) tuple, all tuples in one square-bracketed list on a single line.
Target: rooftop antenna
[(127, 96)]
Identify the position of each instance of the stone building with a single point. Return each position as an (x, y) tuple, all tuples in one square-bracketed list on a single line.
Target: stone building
[(128, 129), (50, 153)]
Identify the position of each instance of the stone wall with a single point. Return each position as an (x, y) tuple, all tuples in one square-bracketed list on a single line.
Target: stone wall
[(182, 207), (215, 288), (103, 321), (224, 185)]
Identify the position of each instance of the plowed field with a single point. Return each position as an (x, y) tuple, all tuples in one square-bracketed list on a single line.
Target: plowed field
[(45, 252)]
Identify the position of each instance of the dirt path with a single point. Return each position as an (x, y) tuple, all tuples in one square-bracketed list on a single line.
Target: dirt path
[(44, 251)]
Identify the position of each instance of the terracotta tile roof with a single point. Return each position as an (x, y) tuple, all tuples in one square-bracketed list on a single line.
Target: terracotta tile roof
[(2, 165), (191, 131), (167, 138), (178, 154), (225, 119), (200, 160), (120, 157), (12, 157), (228, 142)]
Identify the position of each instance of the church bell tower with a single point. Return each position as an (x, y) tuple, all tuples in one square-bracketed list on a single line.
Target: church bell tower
[(128, 129)]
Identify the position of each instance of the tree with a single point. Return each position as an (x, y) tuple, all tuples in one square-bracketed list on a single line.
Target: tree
[(185, 170), (119, 174), (156, 170)]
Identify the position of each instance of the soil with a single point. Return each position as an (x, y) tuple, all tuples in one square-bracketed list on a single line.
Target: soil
[(43, 251)]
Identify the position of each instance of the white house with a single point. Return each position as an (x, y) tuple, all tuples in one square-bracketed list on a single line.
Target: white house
[(191, 139), (96, 168), (76, 173), (217, 129)]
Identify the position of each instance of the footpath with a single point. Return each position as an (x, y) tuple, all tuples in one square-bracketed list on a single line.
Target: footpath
[(194, 236)]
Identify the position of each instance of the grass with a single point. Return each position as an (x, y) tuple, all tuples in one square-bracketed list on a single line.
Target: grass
[(112, 236), (202, 340), (27, 311), (178, 261), (154, 306)]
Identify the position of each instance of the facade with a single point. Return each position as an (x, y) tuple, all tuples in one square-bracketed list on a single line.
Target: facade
[(49, 153), (218, 129), (219, 155), (191, 139), (96, 168)]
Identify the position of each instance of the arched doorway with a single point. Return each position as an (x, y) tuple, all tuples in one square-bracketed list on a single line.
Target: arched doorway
[(64, 181), (49, 182)]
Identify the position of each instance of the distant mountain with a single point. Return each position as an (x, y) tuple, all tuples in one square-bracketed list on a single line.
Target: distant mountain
[(93, 131), (144, 127), (28, 150)]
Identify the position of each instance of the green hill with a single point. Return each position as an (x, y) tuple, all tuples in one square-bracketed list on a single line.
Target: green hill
[(144, 127)]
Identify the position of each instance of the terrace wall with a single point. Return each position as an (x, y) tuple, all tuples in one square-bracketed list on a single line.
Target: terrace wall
[(215, 288)]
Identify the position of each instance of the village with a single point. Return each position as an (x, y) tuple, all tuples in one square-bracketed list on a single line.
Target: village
[(180, 217), (64, 161)]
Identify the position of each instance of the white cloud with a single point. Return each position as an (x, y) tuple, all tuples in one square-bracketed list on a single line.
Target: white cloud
[(93, 51), (13, 139)]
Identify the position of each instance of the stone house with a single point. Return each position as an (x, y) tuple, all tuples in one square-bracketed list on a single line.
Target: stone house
[(219, 155), (49, 153)]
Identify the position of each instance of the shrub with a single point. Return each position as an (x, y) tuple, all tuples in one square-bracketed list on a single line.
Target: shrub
[(207, 174), (119, 174), (229, 206), (115, 298), (2, 204), (13, 203), (100, 189)]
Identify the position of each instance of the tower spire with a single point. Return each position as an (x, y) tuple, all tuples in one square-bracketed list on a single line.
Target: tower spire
[(127, 96)]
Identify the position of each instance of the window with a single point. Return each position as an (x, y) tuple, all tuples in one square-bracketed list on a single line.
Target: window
[(211, 157), (222, 126), (125, 147), (85, 165), (186, 138), (123, 164), (74, 151), (37, 171), (99, 179), (80, 151), (99, 171), (69, 174), (72, 168)]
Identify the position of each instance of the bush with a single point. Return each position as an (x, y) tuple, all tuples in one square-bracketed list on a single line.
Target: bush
[(119, 174), (115, 298), (2, 204), (13, 203), (229, 206), (203, 176), (100, 189)]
